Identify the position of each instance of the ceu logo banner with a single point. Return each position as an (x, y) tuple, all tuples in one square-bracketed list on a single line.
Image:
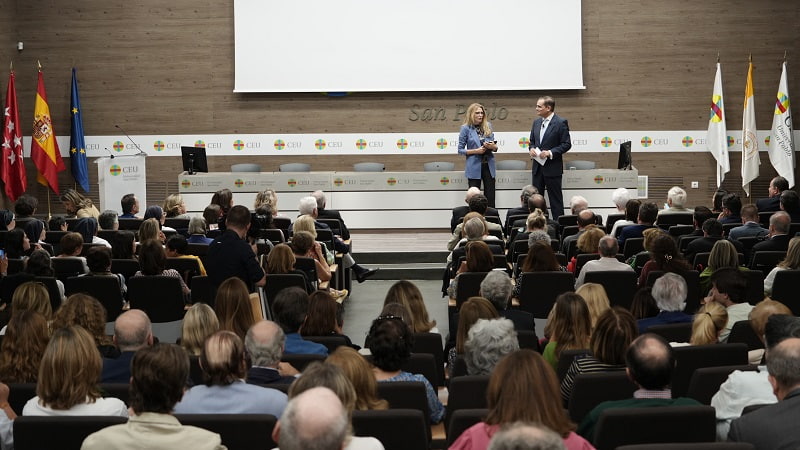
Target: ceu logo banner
[(646, 141), (338, 182), (766, 141), (598, 179), (279, 144), (606, 141), (115, 170), (158, 146), (291, 183), (185, 183), (731, 141), (402, 144), (441, 143), (524, 142), (239, 182), (687, 141), (199, 143), (238, 145), (391, 181), (361, 144), (320, 144), (118, 146), (444, 181)]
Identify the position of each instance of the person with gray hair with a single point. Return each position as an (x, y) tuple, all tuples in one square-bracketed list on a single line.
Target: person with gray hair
[(577, 204), (108, 220), (676, 201), (488, 341), (498, 289), (526, 436), (132, 331), (324, 213), (197, 231), (264, 343), (620, 198), (775, 426), (669, 292), (521, 210), (536, 236), (308, 206), (779, 224), (608, 248), (313, 420), (459, 212)]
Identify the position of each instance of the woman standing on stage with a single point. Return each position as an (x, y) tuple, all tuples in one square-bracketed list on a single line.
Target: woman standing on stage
[(476, 141)]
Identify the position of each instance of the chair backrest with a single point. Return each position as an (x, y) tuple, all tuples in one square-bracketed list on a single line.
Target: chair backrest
[(754, 292), (405, 395), (105, 289), (540, 289), (528, 339), (673, 332), (327, 237), (125, 267), (591, 389), (19, 394), (666, 220), (633, 246), (334, 224), (238, 431), (15, 265), (688, 359), (465, 392), (300, 360), (619, 426), (197, 249), (203, 290), (469, 285), (611, 219), (369, 167), (277, 282), (511, 164), (461, 420), (619, 285), (582, 259), (765, 261), (676, 231), (130, 224), (246, 167), (700, 261), (295, 167), (438, 166), (58, 432), (161, 297), (640, 259), (68, 266), (397, 429), (187, 267), (431, 343), (785, 289), (706, 381), (565, 360), (121, 391), (331, 342), (742, 331), (423, 364), (683, 241)]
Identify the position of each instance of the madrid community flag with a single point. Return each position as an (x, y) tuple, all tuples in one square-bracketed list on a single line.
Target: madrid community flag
[(44, 148), (77, 141), (750, 161), (717, 137), (781, 142), (12, 168)]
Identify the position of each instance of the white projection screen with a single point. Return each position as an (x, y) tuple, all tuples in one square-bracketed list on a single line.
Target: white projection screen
[(407, 45)]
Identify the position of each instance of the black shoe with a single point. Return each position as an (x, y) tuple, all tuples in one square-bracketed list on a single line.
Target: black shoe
[(361, 276)]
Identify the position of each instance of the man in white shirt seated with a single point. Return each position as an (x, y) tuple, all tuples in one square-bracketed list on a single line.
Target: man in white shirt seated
[(608, 249)]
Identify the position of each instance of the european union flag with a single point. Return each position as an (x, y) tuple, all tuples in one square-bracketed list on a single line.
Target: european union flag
[(77, 141)]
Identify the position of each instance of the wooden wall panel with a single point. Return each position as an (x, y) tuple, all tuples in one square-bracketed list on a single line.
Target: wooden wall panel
[(168, 69)]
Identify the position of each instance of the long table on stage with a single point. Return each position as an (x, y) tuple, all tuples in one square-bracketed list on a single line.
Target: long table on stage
[(375, 200)]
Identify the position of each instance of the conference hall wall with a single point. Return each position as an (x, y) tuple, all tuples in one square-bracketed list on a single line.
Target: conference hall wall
[(167, 69)]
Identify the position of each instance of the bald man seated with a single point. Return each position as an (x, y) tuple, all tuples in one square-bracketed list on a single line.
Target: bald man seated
[(132, 331), (264, 343), (314, 419)]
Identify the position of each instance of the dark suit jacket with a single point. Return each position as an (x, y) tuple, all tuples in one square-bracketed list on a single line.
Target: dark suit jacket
[(334, 214), (556, 139), (769, 204), (264, 376), (705, 244), (518, 211), (778, 242), (117, 370), (460, 211), (770, 427)]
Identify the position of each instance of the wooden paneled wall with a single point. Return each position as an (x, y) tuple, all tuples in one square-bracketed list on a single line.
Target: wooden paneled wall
[(167, 68)]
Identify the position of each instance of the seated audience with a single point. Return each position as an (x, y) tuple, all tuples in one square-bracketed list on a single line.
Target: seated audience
[(225, 392), (728, 287), (197, 231), (99, 261), (723, 255), (497, 288), (153, 262), (596, 299), (731, 209), (314, 419), (178, 247), (289, 310), (321, 319), (664, 256), (23, 346), (608, 249), (568, 327), (758, 321), (643, 304), (233, 307), (773, 203), (587, 242), (264, 343), (36, 231), (791, 262), (85, 311), (669, 292), (459, 212), (390, 341), (123, 245), (18, 246), (130, 206), (174, 207), (7, 220), (750, 225), (67, 382), (87, 227), (610, 339), (155, 212), (471, 311), (511, 397), (778, 237), (527, 435), (150, 229), (38, 265), (712, 232), (650, 362), (33, 296), (408, 294), (479, 258), (790, 203), (359, 372), (132, 332), (648, 213), (108, 220), (488, 341), (586, 220), (199, 323), (540, 258), (631, 216), (281, 260), (57, 223), (707, 324), (676, 201), (25, 206), (158, 376)]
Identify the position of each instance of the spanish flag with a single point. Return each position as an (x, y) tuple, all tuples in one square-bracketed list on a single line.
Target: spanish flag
[(44, 148)]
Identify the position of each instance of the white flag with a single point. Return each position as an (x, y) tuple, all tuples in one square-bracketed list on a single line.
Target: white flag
[(781, 141), (717, 137), (750, 159)]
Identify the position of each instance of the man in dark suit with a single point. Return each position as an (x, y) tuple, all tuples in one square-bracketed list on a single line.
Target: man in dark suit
[(549, 140), (773, 203), (778, 234), (790, 202), (460, 211), (712, 232), (775, 426), (522, 209), (132, 331), (731, 209), (264, 342), (648, 213), (323, 213)]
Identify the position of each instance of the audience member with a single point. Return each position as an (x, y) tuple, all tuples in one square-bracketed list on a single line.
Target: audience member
[(199, 323), (322, 317), (731, 209), (233, 307), (56, 223), (631, 216), (150, 229), (197, 231), (526, 435), (409, 295), (153, 262), (568, 327), (7, 220), (359, 372), (750, 225), (664, 256), (314, 419), (790, 203), (174, 207), (108, 220), (577, 204), (758, 321), (716, 201), (669, 292), (290, 309), (158, 377), (643, 304), (791, 262), (648, 213), (231, 256), (586, 219), (123, 245), (38, 265), (778, 240), (264, 343), (488, 341), (723, 255), (324, 213), (540, 258), (71, 246), (522, 209), (594, 294), (497, 288), (728, 288), (707, 324), (225, 391), (85, 311), (471, 311), (25, 206), (87, 227), (132, 332), (18, 246), (608, 249), (23, 346), (178, 247), (130, 206), (460, 211), (30, 295), (78, 205), (773, 203), (98, 259), (701, 214), (676, 202)]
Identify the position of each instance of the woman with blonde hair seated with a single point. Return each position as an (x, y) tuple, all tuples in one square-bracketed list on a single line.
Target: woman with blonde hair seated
[(594, 294), (23, 346), (569, 327), (359, 372), (281, 260), (758, 321), (723, 255), (150, 229), (67, 382), (791, 262), (30, 296), (588, 242), (708, 323), (409, 295), (199, 323), (174, 207)]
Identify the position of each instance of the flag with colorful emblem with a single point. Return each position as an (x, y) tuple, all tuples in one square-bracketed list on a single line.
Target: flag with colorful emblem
[(44, 147), (717, 137), (781, 144), (12, 167)]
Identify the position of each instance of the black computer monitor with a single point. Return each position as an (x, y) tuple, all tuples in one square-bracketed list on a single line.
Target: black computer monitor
[(194, 159), (624, 162)]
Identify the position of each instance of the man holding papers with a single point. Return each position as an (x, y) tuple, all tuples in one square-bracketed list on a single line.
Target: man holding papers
[(548, 141)]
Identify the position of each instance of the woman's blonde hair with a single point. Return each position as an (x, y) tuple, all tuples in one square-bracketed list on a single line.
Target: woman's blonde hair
[(594, 294), (762, 311), (792, 260), (232, 306), (723, 254), (172, 205), (649, 236), (359, 372), (149, 230), (588, 240), (70, 368), (484, 126), (199, 323), (32, 296), (708, 322), (408, 294), (305, 223), (281, 259), (266, 197)]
